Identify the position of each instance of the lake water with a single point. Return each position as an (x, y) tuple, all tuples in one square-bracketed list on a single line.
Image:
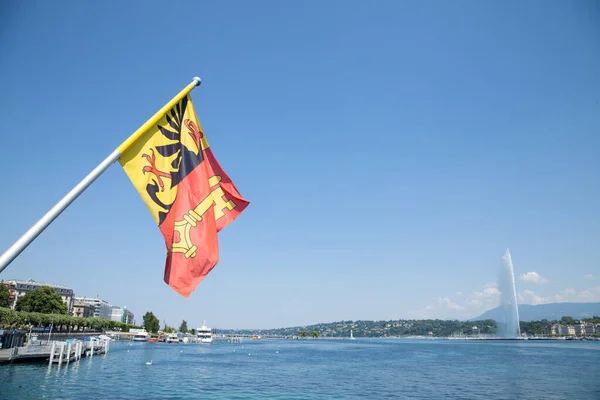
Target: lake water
[(363, 368)]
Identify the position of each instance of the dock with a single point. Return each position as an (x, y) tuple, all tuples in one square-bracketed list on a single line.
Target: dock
[(56, 352)]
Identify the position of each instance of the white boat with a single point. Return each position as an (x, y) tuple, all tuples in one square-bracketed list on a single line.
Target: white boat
[(172, 338), (204, 334), (140, 337)]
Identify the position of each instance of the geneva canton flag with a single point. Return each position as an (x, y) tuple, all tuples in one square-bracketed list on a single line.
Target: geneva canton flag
[(187, 192)]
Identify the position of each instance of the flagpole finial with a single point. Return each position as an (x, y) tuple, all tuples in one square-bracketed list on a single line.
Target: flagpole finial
[(197, 81)]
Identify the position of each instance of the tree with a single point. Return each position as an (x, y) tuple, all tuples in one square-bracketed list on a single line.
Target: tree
[(183, 327), (43, 300), (4, 294), (567, 320), (151, 323), (21, 319), (315, 334), (193, 331), (169, 329)]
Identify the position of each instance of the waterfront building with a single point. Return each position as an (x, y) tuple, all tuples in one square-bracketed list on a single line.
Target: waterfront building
[(580, 329), (121, 314), (566, 330), (128, 316), (585, 328), (83, 310), (101, 308), (18, 288), (116, 313)]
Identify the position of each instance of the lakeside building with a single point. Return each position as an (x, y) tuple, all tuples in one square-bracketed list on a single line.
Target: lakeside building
[(85, 307), (18, 288), (579, 329), (586, 328), (116, 313), (122, 314), (101, 308), (590, 330), (83, 310), (567, 330), (129, 317)]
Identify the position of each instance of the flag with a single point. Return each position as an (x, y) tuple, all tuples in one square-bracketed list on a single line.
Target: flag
[(187, 192)]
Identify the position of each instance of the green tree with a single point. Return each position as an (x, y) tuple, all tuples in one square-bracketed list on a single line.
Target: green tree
[(43, 300), (183, 327), (4, 294), (12, 318), (193, 331), (315, 333), (567, 320), (169, 329), (151, 323)]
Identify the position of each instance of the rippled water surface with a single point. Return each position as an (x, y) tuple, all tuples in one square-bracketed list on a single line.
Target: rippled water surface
[(374, 369)]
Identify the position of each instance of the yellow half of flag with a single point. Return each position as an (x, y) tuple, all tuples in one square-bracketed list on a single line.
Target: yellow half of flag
[(156, 161)]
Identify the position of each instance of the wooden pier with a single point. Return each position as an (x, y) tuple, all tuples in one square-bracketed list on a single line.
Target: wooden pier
[(56, 352)]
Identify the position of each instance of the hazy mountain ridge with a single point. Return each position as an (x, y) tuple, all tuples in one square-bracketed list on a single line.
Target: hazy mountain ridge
[(421, 327), (550, 311)]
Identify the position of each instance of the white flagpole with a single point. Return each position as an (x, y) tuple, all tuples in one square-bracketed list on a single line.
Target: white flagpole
[(33, 232)]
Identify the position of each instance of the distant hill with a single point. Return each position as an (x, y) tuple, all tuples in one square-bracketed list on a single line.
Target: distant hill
[(551, 311)]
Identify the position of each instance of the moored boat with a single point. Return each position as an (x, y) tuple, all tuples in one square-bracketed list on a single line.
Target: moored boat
[(204, 334), (140, 337), (172, 338)]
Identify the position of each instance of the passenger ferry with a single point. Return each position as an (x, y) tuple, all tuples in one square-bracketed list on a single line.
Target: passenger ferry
[(204, 334), (172, 338), (140, 336)]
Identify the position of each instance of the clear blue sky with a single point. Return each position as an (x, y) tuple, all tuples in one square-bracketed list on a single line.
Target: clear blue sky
[(391, 151)]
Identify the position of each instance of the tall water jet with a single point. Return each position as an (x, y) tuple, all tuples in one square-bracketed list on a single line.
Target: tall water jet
[(508, 326)]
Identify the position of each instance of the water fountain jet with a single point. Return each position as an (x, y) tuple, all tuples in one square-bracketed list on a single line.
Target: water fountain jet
[(508, 326)]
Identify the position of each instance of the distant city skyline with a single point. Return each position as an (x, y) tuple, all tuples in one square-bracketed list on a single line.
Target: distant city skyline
[(391, 152), (80, 306)]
